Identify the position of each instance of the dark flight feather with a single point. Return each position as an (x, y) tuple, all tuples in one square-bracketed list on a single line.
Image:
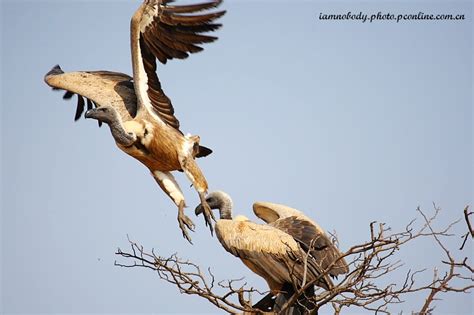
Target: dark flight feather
[(174, 35), (79, 108), (68, 95), (196, 29), (161, 103), (192, 8), (89, 104), (312, 240), (178, 19)]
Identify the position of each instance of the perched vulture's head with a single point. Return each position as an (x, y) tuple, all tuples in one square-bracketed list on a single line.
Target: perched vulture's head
[(217, 200)]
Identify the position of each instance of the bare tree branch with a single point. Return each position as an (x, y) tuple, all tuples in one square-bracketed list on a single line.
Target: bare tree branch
[(368, 285), (190, 279), (469, 227)]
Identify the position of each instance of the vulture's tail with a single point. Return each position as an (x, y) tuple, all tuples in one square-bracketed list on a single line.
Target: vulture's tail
[(203, 151), (266, 304)]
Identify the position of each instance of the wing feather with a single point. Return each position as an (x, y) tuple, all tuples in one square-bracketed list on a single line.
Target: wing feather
[(89, 104), (191, 8), (98, 87), (161, 104), (80, 107), (313, 240), (278, 257), (161, 31), (68, 95), (192, 20), (307, 232)]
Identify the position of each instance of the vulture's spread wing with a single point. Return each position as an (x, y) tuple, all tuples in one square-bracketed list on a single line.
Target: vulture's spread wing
[(307, 232), (313, 240), (98, 88), (270, 212), (164, 31)]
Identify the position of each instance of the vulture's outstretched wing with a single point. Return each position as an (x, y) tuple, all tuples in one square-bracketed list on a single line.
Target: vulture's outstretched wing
[(269, 252), (304, 230), (163, 31), (312, 240), (269, 212), (98, 88)]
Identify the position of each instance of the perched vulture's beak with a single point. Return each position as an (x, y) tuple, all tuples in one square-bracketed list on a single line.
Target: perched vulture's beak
[(199, 209)]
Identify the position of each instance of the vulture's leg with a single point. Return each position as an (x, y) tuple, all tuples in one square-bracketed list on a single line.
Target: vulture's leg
[(193, 172), (170, 186)]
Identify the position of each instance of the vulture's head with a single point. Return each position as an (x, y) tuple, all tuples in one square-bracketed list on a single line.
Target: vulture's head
[(109, 115), (218, 200), (105, 114)]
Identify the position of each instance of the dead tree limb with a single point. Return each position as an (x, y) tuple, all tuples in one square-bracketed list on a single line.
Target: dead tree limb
[(190, 279), (469, 227), (367, 286)]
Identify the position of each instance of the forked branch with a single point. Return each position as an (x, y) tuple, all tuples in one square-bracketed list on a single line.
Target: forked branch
[(368, 285)]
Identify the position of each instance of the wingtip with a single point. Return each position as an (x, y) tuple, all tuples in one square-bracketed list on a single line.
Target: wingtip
[(217, 3), (54, 71)]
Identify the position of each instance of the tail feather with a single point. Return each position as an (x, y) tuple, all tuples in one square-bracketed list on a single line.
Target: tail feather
[(266, 304), (203, 151), (199, 150)]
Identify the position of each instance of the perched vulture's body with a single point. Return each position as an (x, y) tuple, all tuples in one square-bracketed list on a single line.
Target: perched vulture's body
[(288, 252), (138, 112)]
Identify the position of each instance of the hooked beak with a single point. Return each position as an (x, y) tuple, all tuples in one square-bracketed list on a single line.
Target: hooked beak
[(90, 113), (199, 209)]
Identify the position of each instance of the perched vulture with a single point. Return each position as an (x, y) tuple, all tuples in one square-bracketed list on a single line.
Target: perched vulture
[(140, 115), (277, 251)]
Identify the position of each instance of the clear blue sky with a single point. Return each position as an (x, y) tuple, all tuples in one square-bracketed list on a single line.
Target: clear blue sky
[(349, 122)]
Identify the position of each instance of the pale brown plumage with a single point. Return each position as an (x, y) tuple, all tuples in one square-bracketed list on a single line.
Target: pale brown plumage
[(139, 109), (306, 232), (269, 252), (280, 251)]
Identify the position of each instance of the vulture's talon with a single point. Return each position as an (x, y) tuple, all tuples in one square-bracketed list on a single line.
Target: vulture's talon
[(208, 216), (185, 222), (186, 236), (206, 210)]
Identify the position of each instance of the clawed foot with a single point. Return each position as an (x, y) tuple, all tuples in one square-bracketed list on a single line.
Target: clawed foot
[(208, 215), (184, 222)]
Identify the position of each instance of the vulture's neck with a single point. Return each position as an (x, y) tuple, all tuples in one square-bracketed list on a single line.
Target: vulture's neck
[(225, 211), (120, 135)]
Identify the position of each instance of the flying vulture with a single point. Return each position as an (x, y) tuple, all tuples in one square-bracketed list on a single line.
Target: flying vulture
[(140, 115), (277, 251)]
